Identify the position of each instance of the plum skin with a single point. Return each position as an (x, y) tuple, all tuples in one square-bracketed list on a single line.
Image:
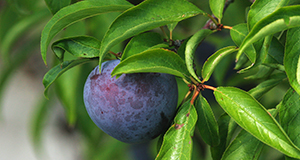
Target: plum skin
[(134, 108)]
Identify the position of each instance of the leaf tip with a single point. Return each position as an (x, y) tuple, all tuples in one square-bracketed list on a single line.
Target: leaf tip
[(46, 94), (44, 58)]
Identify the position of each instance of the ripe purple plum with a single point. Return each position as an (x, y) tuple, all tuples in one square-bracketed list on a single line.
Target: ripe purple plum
[(134, 108)]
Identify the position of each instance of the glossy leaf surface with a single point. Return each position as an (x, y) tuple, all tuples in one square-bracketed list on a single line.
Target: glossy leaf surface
[(238, 34), (289, 115), (66, 87), (261, 9), (81, 46), (153, 60), (245, 146), (75, 13), (275, 52), (254, 118), (141, 43), (227, 127), (206, 123), (282, 19), (147, 15), (181, 49), (177, 141), (217, 7), (266, 85), (190, 50), (211, 63), (59, 69), (292, 58)]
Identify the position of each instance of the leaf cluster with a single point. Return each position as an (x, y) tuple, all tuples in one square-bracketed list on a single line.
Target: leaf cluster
[(264, 50)]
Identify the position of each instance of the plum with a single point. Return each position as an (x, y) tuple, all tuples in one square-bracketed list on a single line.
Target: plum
[(134, 108)]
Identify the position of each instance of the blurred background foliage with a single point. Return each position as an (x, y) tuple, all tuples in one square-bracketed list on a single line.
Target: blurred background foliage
[(21, 23)]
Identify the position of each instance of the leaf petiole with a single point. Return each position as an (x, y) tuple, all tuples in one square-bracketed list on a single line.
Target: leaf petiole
[(227, 27)]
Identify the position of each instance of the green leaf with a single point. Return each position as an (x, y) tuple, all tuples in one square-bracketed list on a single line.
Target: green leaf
[(211, 63), (172, 26), (18, 29), (261, 9), (289, 115), (153, 60), (206, 123), (238, 34), (227, 127), (245, 146), (282, 19), (181, 49), (217, 7), (141, 43), (191, 47), (76, 12), (147, 15), (255, 119), (220, 73), (263, 54), (66, 88), (58, 70), (242, 61), (177, 141), (55, 5), (81, 47), (275, 52), (292, 58), (262, 71), (84, 124), (267, 85)]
